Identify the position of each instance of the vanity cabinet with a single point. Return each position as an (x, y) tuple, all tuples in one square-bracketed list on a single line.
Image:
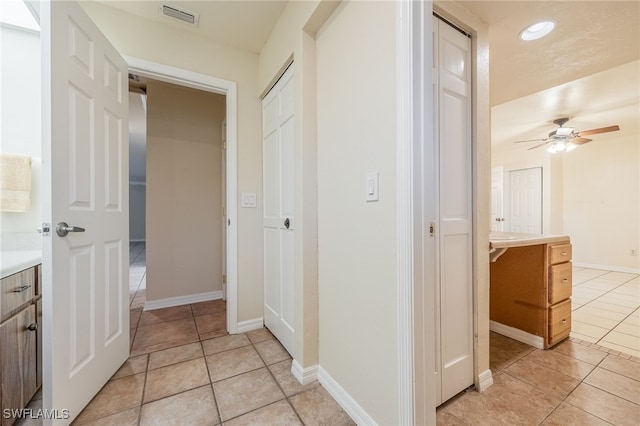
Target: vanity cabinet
[(20, 340), (530, 293)]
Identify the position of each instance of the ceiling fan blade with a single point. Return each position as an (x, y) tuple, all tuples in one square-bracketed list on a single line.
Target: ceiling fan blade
[(538, 146), (600, 130), (580, 141), (530, 140)]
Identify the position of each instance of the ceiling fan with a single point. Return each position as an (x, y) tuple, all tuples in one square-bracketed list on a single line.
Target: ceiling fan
[(566, 138)]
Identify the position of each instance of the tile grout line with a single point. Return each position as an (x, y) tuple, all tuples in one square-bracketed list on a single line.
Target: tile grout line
[(213, 390), (286, 397)]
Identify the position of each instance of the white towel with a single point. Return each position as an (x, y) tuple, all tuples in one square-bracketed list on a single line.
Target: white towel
[(15, 183)]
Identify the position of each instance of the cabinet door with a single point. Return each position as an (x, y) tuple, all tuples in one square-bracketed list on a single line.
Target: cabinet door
[(18, 360)]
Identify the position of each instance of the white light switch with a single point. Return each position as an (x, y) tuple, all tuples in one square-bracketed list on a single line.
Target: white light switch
[(248, 200), (372, 186)]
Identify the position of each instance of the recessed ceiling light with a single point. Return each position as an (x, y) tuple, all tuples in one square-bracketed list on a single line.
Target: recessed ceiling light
[(536, 31)]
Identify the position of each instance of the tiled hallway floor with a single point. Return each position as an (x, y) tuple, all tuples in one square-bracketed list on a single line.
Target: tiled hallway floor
[(571, 384), (185, 369), (606, 309)]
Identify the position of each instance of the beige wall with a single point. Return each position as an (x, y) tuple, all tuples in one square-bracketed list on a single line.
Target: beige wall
[(151, 41), (184, 184), (602, 202), (356, 239)]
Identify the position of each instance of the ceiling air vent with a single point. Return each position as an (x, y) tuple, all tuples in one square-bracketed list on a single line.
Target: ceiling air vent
[(183, 15)]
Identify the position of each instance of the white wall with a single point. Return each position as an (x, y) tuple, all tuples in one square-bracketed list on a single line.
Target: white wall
[(357, 239), (184, 183), (141, 38), (20, 129)]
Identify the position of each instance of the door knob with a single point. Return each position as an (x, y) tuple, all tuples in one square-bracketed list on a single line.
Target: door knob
[(287, 223), (32, 327), (63, 229)]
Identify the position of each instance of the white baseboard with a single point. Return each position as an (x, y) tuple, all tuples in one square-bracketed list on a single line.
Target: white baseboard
[(485, 379), (606, 267), (249, 325), (304, 375), (348, 404), (517, 334), (182, 300)]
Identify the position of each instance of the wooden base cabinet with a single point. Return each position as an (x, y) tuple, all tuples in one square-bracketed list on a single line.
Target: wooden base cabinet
[(20, 361), (530, 291)]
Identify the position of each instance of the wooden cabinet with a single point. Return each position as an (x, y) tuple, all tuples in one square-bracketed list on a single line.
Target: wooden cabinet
[(530, 293), (20, 362)]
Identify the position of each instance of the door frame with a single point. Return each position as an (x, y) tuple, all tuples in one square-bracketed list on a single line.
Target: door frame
[(185, 78), (414, 124)]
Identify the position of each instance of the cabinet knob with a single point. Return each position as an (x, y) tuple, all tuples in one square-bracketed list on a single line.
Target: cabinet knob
[(564, 321), (564, 253), (32, 327), (565, 280)]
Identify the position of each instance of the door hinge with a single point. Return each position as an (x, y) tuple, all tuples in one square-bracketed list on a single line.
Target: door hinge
[(432, 229), (224, 278), (224, 211), (224, 144)]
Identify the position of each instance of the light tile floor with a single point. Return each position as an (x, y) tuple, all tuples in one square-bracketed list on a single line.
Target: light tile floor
[(570, 384), (606, 309), (185, 369)]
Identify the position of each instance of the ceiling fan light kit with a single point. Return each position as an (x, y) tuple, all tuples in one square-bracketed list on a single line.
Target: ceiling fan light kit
[(566, 138)]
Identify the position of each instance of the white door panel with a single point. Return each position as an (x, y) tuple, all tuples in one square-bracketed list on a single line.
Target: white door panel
[(279, 215), (85, 160), (497, 208), (454, 355), (526, 200)]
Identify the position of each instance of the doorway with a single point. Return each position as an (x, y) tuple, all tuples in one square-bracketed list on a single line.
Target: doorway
[(187, 79), (178, 175), (525, 201)]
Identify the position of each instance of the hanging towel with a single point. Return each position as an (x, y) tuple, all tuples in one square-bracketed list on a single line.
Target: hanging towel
[(15, 183)]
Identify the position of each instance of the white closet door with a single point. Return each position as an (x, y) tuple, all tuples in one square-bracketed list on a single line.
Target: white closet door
[(526, 200), (279, 221), (453, 65)]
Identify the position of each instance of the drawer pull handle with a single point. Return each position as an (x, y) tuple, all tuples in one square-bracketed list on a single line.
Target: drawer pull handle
[(21, 289), (32, 327), (564, 253), (564, 321), (565, 280)]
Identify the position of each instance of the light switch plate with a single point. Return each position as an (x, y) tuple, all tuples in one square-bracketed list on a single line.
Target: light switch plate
[(372, 187), (248, 200)]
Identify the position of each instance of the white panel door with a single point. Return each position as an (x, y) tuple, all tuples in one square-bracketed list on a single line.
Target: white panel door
[(526, 200), (497, 207), (453, 69), (279, 221), (85, 156)]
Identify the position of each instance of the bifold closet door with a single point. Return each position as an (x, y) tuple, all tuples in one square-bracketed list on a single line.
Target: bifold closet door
[(452, 61)]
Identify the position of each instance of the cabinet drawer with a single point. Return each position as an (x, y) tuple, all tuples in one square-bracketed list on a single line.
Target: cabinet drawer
[(559, 253), (559, 321), (560, 282), (15, 291)]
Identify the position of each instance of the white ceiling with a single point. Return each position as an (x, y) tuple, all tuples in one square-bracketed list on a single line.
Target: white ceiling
[(241, 24), (577, 71), (532, 83)]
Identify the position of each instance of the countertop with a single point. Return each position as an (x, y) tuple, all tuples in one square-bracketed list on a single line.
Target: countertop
[(499, 242), (19, 251)]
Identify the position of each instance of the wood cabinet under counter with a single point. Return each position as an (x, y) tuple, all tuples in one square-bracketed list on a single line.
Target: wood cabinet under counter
[(20, 340), (530, 288)]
